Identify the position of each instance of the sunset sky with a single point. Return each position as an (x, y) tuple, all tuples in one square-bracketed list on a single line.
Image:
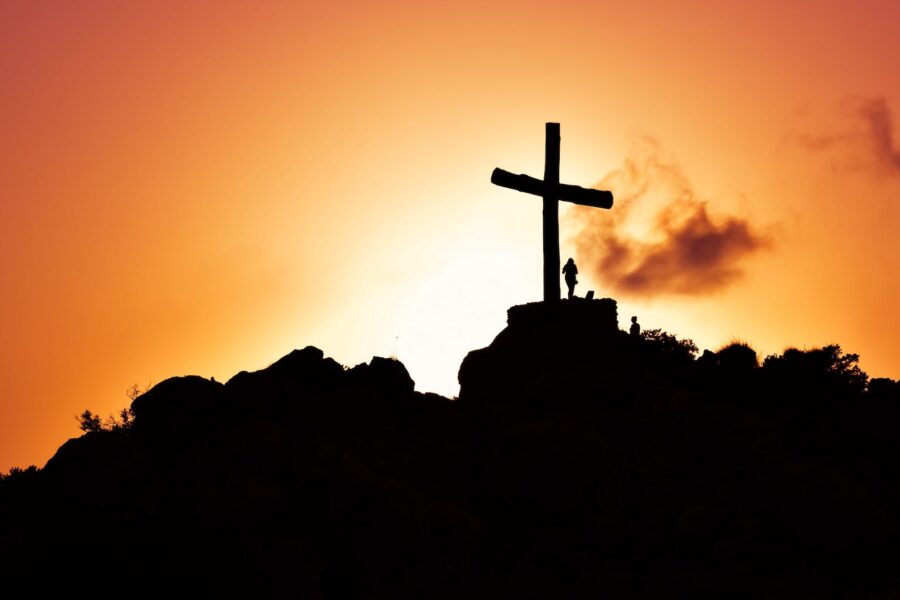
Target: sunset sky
[(200, 187)]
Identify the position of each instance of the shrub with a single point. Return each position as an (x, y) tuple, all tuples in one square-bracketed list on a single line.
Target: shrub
[(663, 342)]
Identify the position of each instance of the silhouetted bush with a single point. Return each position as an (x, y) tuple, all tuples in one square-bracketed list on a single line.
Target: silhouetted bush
[(666, 352), (883, 388), (666, 343), (17, 474), (737, 357), (820, 371), (89, 422)]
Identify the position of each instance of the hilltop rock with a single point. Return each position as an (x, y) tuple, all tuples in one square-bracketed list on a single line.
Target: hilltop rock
[(385, 376), (548, 353), (177, 405), (598, 315)]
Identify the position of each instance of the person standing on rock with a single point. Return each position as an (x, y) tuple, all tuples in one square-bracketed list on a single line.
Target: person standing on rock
[(635, 327), (570, 271)]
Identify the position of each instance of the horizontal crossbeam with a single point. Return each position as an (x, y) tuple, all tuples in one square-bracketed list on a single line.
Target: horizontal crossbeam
[(560, 191)]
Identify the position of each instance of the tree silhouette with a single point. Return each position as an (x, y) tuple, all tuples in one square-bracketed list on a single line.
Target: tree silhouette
[(88, 422)]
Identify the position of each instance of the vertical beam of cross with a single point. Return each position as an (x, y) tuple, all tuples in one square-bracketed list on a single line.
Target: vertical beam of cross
[(551, 214)]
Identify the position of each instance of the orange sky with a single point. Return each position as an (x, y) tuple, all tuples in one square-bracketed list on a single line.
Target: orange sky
[(199, 187)]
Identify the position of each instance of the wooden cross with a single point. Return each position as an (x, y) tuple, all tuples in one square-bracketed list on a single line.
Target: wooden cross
[(552, 191)]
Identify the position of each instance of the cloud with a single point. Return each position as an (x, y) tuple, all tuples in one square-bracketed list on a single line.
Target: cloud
[(877, 115), (659, 238), (871, 129)]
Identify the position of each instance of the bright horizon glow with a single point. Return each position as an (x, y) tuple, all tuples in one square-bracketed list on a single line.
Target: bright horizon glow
[(199, 188)]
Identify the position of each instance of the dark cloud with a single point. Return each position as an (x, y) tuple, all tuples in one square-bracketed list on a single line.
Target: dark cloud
[(877, 116), (659, 238), (871, 128)]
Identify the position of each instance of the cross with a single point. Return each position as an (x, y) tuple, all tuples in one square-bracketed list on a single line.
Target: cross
[(552, 191)]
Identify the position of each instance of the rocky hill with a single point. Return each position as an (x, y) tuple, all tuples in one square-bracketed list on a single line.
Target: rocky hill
[(578, 461)]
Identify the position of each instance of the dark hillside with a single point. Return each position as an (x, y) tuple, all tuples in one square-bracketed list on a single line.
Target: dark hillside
[(578, 461)]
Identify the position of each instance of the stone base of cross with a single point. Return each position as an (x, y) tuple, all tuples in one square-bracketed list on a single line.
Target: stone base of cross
[(552, 191)]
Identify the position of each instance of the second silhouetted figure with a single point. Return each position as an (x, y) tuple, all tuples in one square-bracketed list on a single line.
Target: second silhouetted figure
[(570, 271), (635, 327)]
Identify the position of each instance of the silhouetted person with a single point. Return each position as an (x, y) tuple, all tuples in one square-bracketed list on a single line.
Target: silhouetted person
[(570, 271), (635, 327)]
